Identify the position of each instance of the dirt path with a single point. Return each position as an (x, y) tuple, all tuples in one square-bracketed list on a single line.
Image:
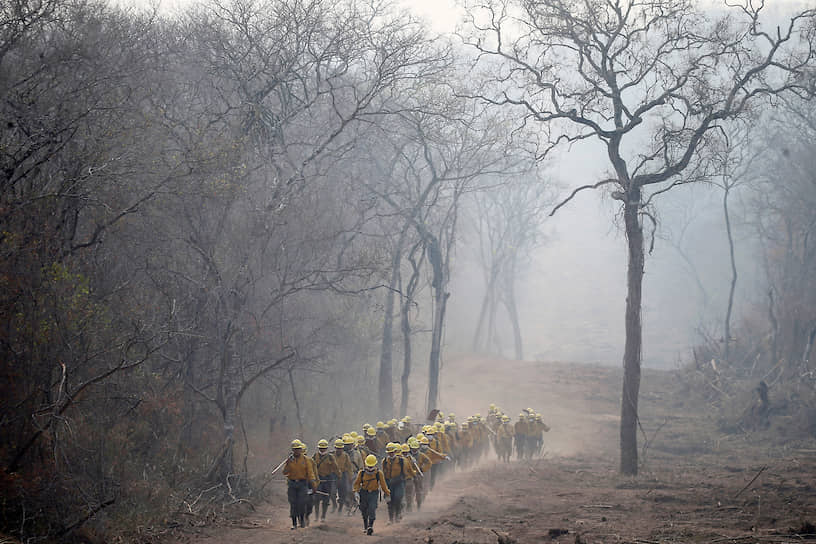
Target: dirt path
[(695, 486)]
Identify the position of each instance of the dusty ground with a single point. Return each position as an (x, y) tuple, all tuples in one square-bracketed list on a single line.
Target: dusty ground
[(695, 484)]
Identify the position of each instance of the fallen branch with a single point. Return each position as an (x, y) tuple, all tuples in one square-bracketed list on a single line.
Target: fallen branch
[(752, 481)]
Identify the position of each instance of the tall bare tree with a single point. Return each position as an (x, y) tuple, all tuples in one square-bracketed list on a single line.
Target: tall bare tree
[(652, 82), (508, 218)]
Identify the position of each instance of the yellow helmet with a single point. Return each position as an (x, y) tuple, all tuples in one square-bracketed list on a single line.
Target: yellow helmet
[(492, 406), (430, 430), (413, 443), (406, 419), (297, 444), (420, 436), (348, 440), (323, 443), (380, 425), (438, 426), (339, 443), (464, 426), (440, 416), (366, 425), (406, 448), (354, 434), (522, 415), (391, 447), (424, 440), (371, 461), (505, 418), (371, 431), (360, 440), (451, 417)]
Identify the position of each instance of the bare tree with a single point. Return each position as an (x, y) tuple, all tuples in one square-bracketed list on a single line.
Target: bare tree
[(508, 218), (784, 200), (652, 82)]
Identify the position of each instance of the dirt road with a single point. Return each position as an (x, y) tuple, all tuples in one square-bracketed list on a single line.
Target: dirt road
[(695, 485)]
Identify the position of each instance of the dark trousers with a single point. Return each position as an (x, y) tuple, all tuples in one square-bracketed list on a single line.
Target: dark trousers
[(410, 494), (368, 506), (326, 486), (397, 487), (520, 446), (419, 491), (343, 492), (297, 493)]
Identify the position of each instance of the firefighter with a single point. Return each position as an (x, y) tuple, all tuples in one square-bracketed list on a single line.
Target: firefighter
[(327, 472), (395, 468), (520, 435), (466, 444), (423, 469), (300, 477), (410, 477), (314, 485), (504, 439), (382, 439), (367, 485), (371, 443), (351, 446), (540, 428), (345, 477), (407, 426), (437, 457)]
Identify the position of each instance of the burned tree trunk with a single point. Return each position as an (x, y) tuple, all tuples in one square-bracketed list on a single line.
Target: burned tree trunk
[(633, 348)]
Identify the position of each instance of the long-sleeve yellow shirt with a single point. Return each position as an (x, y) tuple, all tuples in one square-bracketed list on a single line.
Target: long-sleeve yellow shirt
[(298, 468), (326, 464), (410, 466), (371, 481), (395, 467), (356, 460), (343, 462), (423, 462)]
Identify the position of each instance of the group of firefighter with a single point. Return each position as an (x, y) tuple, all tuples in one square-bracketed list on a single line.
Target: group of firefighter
[(400, 460)]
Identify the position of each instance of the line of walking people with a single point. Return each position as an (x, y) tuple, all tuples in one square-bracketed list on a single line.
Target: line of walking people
[(395, 460)]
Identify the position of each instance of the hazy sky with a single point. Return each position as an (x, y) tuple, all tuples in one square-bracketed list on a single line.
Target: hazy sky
[(572, 299)]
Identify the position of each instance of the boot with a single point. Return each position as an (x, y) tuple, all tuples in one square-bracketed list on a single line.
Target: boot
[(302, 521), (294, 522), (325, 507), (370, 530), (365, 524)]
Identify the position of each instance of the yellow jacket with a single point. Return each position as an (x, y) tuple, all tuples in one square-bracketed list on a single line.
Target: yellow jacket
[(423, 462), (410, 466), (371, 481), (434, 455), (343, 462), (504, 431), (326, 464), (298, 468), (396, 467), (356, 460)]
